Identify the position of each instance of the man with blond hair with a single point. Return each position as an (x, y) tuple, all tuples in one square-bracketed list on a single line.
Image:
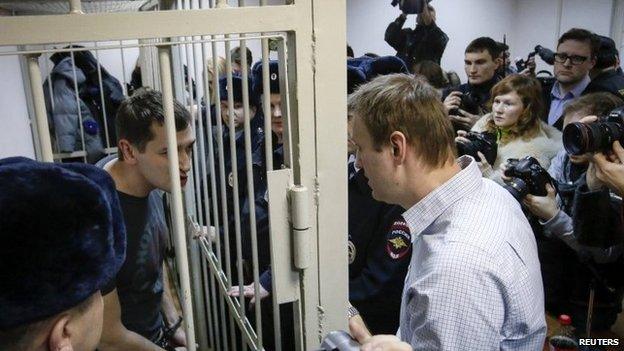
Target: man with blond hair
[(474, 281)]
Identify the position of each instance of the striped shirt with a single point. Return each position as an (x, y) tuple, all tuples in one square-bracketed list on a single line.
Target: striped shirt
[(474, 281)]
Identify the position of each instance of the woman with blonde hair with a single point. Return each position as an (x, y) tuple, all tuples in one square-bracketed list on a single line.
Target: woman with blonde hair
[(515, 120)]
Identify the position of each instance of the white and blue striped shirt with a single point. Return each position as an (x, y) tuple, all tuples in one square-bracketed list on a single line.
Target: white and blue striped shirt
[(474, 281)]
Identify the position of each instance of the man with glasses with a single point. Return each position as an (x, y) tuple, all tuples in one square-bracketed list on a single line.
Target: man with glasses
[(575, 57)]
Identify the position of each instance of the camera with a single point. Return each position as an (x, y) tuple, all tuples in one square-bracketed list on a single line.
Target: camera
[(527, 177), (469, 103), (410, 7), (580, 138), (484, 142), (545, 54)]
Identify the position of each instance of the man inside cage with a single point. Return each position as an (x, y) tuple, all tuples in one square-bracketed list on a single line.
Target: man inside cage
[(63, 239), (139, 312)]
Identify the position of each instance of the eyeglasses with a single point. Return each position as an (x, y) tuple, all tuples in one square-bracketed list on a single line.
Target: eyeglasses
[(574, 59)]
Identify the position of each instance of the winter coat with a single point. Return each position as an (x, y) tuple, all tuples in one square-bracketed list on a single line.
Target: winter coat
[(63, 113)]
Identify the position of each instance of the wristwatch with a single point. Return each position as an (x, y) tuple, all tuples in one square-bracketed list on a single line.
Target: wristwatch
[(352, 311)]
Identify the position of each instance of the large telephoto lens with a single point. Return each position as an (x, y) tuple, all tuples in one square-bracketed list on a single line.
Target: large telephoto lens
[(580, 138)]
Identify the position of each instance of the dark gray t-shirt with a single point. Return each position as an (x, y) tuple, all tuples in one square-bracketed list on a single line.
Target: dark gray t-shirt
[(139, 283)]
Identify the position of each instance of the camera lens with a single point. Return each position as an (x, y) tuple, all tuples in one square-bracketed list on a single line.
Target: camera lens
[(517, 188), (579, 138)]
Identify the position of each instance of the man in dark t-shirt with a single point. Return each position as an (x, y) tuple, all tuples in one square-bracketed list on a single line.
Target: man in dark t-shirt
[(137, 307), (139, 283)]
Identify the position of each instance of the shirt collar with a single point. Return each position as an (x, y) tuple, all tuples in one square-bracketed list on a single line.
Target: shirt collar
[(576, 91), (426, 211)]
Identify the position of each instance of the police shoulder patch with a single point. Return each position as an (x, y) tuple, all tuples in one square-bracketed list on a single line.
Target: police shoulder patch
[(399, 240), (231, 180)]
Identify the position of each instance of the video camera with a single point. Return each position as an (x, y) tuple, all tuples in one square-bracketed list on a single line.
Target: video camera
[(580, 138), (411, 7), (484, 142), (545, 54), (527, 177)]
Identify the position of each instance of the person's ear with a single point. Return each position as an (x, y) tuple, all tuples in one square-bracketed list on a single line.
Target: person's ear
[(398, 143), (128, 151), (499, 62), (60, 337)]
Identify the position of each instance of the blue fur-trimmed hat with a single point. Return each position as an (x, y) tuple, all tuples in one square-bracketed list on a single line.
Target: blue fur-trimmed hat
[(63, 237), (237, 89), (256, 73), (372, 67), (364, 69)]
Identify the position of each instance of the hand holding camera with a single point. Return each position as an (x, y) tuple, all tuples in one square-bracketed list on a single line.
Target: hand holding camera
[(527, 177), (481, 146), (543, 207)]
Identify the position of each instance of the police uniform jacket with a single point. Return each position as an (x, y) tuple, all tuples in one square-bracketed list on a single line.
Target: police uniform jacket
[(379, 254)]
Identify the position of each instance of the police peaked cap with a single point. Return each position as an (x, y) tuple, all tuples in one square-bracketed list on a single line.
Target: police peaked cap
[(370, 67), (256, 73), (237, 89), (63, 237)]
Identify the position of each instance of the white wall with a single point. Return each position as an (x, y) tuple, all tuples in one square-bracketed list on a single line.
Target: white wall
[(526, 23), (462, 21), (537, 22), (15, 134)]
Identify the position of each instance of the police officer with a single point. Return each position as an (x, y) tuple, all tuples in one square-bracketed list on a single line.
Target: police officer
[(63, 239), (379, 246), (607, 74), (232, 120)]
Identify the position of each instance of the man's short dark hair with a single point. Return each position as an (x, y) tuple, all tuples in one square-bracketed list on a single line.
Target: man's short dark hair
[(18, 338), (137, 113), (582, 35), (237, 58), (484, 44), (350, 51)]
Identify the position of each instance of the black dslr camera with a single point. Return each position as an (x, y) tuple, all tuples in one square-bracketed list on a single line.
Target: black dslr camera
[(484, 142), (580, 138), (469, 103), (527, 177), (411, 7)]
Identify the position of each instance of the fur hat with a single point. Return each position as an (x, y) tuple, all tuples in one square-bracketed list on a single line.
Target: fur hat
[(256, 73), (372, 67), (63, 237), (237, 90)]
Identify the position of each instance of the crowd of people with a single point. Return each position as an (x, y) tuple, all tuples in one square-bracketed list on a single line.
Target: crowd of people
[(470, 214)]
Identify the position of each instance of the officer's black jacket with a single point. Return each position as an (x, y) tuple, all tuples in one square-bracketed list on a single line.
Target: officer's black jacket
[(418, 44), (375, 278)]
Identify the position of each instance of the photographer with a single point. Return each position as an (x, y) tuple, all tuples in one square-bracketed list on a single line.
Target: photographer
[(466, 103), (425, 42), (514, 120), (580, 209)]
